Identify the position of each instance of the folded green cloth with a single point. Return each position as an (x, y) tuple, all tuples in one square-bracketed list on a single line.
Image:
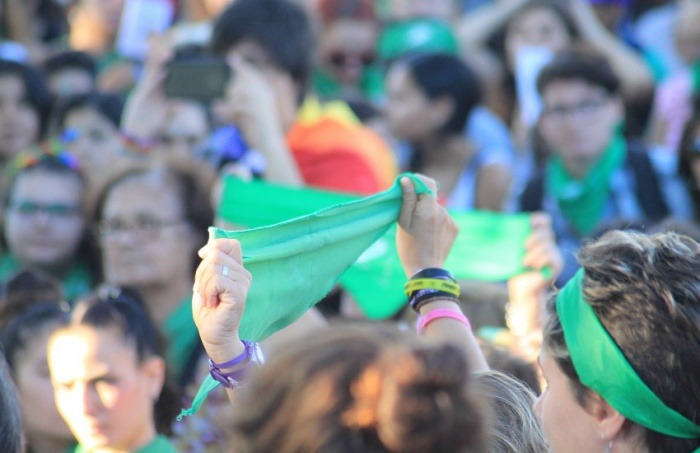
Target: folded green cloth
[(490, 246)]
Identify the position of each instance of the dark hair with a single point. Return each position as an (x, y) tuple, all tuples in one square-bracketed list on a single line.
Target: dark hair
[(332, 10), (31, 300), (579, 63), (280, 27), (36, 92), (645, 290), (10, 417), (36, 161), (108, 105), (441, 75), (360, 389), (123, 309), (70, 59), (687, 153)]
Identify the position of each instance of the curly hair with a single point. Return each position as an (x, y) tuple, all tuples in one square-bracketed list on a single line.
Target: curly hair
[(645, 290)]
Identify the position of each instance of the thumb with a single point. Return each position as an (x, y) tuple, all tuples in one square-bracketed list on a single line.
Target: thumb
[(409, 202)]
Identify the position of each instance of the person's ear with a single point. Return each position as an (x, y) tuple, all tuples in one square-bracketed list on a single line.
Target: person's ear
[(153, 369), (610, 421)]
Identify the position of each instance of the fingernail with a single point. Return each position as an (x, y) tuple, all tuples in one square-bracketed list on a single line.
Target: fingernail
[(194, 287), (203, 251)]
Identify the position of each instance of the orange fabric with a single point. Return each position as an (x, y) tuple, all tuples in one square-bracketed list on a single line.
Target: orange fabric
[(339, 156)]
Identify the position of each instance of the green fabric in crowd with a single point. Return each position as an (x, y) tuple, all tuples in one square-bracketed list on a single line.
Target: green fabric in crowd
[(490, 246), (583, 201), (160, 444), (294, 264), (182, 338)]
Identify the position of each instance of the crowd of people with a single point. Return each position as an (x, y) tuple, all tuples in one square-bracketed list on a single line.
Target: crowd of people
[(123, 124)]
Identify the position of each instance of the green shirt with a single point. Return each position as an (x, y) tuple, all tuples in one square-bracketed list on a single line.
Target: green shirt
[(160, 444)]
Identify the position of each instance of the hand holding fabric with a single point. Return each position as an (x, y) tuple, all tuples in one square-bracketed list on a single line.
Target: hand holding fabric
[(220, 291), (426, 231)]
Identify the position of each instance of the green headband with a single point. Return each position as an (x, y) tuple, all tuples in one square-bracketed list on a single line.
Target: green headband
[(602, 367)]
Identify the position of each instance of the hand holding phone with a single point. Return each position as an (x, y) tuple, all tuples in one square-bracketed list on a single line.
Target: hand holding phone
[(201, 77)]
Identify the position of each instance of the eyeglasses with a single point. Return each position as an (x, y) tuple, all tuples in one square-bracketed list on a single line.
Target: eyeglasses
[(54, 210), (343, 59), (143, 226), (585, 109)]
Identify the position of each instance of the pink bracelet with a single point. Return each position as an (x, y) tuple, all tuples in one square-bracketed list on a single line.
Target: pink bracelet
[(423, 321)]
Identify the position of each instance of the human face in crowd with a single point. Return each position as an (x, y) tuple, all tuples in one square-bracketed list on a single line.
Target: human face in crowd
[(145, 239), (537, 27), (412, 116), (347, 48), (185, 130), (44, 222), (35, 392), (19, 122), (578, 120), (566, 424), (102, 391), (97, 143)]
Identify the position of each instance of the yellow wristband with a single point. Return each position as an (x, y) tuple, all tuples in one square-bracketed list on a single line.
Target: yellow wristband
[(432, 283)]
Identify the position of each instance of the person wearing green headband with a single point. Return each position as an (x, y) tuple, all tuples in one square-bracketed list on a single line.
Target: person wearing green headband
[(621, 349)]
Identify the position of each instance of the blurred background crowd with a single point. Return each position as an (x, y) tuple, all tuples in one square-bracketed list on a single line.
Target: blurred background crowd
[(120, 121)]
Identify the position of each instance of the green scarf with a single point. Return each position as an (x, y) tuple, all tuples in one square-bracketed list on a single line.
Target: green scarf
[(160, 444), (182, 337), (490, 246), (602, 367), (75, 284), (583, 201)]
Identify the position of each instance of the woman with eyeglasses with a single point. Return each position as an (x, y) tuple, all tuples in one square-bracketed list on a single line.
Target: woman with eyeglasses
[(109, 374), (45, 225)]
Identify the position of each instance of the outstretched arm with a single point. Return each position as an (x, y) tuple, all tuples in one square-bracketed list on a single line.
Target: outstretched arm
[(424, 238)]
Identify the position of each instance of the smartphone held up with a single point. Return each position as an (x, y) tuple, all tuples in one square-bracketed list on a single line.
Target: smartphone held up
[(197, 76)]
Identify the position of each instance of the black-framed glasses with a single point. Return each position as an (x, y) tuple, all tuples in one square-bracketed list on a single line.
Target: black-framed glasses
[(142, 225), (586, 108), (55, 210)]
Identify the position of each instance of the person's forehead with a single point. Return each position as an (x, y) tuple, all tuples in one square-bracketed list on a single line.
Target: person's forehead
[(46, 185), (559, 89), (148, 193)]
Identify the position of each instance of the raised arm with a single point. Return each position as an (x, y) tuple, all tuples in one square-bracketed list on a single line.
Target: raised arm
[(424, 238), (219, 295)]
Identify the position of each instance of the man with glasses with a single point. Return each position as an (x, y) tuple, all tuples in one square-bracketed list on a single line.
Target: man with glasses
[(593, 177)]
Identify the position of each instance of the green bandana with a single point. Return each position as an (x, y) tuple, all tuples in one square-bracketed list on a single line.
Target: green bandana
[(602, 367), (695, 77), (582, 201), (489, 247), (294, 264), (182, 337)]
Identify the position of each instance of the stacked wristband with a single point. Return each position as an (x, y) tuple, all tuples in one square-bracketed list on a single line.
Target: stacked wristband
[(233, 379), (429, 285)]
